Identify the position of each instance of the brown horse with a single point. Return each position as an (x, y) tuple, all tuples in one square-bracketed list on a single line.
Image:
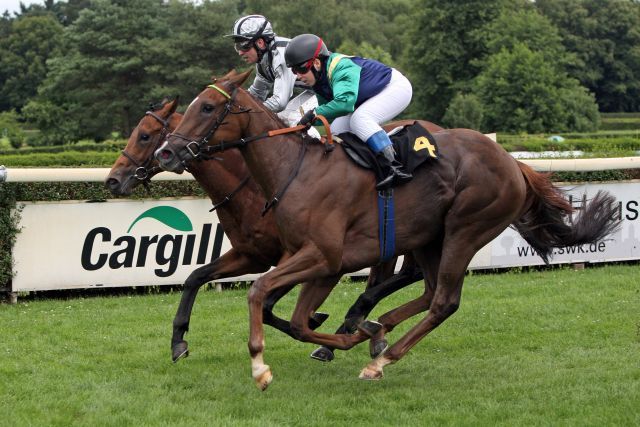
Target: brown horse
[(253, 237), (328, 222)]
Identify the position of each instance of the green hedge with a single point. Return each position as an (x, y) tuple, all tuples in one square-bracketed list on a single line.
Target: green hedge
[(83, 147), (604, 147)]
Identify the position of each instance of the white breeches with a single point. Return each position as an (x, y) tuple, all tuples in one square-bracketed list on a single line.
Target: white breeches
[(366, 119)]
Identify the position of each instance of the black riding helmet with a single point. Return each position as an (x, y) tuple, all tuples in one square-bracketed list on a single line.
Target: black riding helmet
[(303, 49)]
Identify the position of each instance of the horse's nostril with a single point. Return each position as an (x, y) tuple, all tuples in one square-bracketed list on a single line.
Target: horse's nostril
[(165, 154), (112, 183)]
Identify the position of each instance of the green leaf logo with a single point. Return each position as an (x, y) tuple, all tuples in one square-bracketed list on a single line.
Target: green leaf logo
[(167, 215)]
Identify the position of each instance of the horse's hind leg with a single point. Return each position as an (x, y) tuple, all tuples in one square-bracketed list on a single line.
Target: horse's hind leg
[(269, 318), (464, 235), (232, 263), (444, 302)]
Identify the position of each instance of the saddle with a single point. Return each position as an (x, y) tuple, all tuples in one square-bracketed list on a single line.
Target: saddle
[(414, 145)]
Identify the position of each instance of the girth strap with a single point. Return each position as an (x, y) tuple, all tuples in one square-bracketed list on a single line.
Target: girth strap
[(386, 223)]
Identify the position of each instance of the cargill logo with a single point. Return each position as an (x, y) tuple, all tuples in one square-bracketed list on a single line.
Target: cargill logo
[(165, 251)]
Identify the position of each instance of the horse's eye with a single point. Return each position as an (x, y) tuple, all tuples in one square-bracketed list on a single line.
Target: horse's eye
[(145, 137), (207, 108)]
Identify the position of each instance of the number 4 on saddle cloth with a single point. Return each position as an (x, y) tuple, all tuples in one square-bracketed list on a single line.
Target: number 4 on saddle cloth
[(413, 144)]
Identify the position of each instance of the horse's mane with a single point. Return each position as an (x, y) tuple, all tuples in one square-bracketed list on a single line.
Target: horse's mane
[(264, 109)]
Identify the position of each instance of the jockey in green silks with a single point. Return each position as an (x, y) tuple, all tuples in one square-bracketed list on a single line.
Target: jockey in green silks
[(355, 94)]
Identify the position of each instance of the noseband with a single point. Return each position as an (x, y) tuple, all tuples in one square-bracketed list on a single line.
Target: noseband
[(142, 173)]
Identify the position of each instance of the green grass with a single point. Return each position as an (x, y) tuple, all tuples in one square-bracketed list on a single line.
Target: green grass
[(555, 347)]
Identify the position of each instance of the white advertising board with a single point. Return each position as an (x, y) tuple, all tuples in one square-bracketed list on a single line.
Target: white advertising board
[(510, 250), (64, 245)]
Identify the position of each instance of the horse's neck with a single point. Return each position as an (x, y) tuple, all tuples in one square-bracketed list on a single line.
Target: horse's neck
[(221, 176), (270, 160)]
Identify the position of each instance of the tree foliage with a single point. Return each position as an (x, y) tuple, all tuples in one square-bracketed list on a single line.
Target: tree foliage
[(30, 41), (528, 94), (605, 37), (87, 68)]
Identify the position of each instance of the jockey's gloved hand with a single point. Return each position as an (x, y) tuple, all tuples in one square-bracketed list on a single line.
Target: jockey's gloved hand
[(309, 117)]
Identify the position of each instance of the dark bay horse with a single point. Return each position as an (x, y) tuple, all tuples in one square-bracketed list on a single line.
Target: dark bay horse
[(328, 222), (254, 238)]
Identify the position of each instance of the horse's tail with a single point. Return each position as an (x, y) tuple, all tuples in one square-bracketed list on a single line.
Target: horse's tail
[(546, 222)]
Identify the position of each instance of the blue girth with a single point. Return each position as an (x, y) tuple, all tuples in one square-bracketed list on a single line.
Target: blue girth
[(387, 226)]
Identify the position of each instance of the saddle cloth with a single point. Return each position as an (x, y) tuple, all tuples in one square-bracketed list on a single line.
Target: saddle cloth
[(413, 144)]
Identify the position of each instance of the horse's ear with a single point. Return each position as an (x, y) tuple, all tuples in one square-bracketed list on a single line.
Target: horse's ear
[(174, 104), (238, 79)]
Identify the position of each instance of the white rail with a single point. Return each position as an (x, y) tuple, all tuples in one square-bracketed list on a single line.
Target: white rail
[(99, 174)]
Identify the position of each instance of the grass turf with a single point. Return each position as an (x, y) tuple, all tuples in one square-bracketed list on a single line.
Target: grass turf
[(553, 347)]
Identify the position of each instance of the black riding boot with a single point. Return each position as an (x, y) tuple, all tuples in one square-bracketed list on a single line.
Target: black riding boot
[(393, 169)]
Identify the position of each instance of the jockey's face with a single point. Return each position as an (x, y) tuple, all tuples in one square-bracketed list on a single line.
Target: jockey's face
[(308, 78), (250, 55)]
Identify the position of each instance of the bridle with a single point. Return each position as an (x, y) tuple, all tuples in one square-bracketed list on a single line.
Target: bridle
[(200, 149), (143, 173)]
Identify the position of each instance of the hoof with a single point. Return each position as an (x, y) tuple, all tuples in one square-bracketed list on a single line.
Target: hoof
[(322, 354), (179, 351), (317, 319), (264, 379), (370, 374), (377, 347), (370, 327), (351, 324)]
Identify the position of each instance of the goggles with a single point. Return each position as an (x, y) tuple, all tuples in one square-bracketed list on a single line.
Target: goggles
[(302, 68), (243, 46)]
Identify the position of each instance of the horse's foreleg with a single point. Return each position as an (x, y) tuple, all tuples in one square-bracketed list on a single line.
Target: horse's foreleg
[(382, 283), (269, 318), (304, 265), (311, 296), (232, 263)]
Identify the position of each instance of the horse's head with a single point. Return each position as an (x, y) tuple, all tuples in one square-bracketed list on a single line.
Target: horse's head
[(213, 116), (136, 164)]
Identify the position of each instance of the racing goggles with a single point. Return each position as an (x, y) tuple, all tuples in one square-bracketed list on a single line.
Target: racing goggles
[(243, 45), (302, 68)]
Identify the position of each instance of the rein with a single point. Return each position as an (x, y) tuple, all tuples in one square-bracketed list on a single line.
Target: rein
[(230, 195), (200, 150)]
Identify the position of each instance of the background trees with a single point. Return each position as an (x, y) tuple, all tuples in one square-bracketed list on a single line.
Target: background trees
[(87, 68)]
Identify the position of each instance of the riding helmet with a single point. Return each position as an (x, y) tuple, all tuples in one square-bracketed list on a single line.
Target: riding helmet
[(252, 27), (303, 48)]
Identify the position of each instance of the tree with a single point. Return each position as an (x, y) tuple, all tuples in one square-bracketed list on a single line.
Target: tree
[(523, 92), (23, 55), (10, 129), (101, 77), (443, 48), (465, 111), (192, 48), (378, 23), (605, 37)]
